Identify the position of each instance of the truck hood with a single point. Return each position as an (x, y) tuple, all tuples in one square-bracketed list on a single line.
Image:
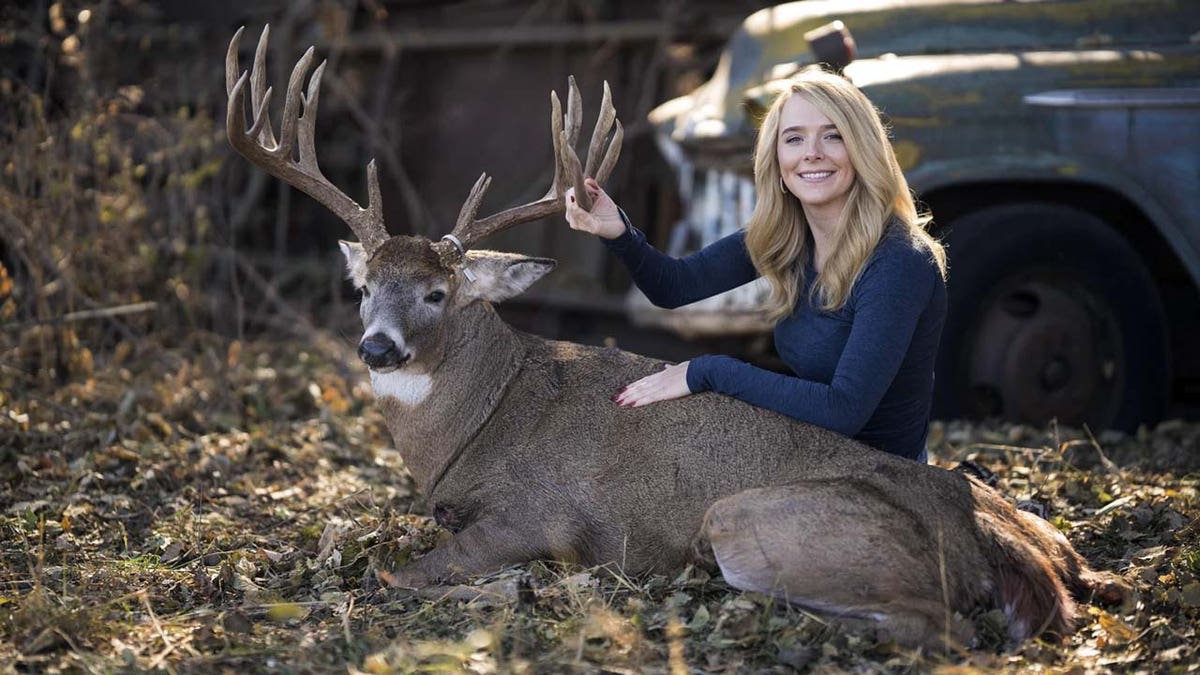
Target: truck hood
[(770, 46)]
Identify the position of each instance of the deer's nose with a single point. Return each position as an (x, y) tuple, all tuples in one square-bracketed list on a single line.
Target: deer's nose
[(379, 351), (375, 345)]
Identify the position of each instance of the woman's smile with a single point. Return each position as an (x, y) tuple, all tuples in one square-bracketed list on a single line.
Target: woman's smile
[(816, 176)]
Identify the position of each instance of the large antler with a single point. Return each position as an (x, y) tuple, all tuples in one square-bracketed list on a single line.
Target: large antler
[(567, 173), (259, 146)]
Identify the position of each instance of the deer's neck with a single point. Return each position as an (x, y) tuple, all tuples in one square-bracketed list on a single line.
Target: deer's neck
[(433, 415)]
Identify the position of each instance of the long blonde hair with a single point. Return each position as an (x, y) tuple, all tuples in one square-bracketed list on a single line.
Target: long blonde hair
[(777, 234)]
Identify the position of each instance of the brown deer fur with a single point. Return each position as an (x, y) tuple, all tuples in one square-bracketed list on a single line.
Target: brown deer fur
[(520, 452)]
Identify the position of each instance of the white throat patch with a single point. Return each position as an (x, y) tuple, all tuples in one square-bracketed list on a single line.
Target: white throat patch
[(407, 388)]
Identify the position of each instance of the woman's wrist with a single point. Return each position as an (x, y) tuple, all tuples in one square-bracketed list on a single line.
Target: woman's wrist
[(612, 226), (619, 228)]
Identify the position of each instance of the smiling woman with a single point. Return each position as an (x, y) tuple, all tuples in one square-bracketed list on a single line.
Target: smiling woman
[(857, 285)]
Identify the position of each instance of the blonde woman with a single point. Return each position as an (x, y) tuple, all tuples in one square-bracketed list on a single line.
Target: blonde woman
[(858, 290)]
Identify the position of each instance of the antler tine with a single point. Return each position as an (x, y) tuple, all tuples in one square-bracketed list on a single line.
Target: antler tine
[(262, 118), (611, 155), (574, 110), (470, 207), (308, 122), (258, 88), (570, 161), (291, 104), (367, 224), (231, 61), (258, 145), (608, 114), (556, 127)]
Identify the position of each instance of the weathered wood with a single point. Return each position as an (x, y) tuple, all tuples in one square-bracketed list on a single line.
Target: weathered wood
[(437, 39)]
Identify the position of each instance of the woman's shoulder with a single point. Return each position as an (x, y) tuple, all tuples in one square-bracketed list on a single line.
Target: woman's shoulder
[(900, 255)]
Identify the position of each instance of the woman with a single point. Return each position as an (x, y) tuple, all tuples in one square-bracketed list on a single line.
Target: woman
[(857, 286)]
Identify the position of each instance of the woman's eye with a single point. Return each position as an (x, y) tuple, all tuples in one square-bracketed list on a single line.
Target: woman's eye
[(833, 137), (792, 140), (435, 297)]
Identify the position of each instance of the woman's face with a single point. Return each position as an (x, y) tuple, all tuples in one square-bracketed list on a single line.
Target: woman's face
[(813, 159)]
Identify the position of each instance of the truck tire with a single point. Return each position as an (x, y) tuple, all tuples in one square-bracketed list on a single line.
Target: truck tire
[(1051, 316)]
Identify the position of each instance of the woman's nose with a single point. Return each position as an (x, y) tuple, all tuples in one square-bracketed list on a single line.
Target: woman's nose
[(812, 151)]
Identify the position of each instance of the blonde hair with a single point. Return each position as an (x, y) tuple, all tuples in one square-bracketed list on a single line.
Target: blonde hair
[(777, 234)]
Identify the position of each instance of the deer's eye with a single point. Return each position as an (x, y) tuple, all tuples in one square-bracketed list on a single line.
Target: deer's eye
[(435, 297), (363, 292)]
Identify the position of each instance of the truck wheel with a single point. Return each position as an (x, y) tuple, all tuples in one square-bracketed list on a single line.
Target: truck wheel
[(1051, 316)]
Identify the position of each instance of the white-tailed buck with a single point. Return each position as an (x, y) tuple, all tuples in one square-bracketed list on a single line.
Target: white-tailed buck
[(521, 454)]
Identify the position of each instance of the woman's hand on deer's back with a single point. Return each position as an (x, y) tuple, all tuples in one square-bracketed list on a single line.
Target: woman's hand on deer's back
[(604, 220), (665, 385)]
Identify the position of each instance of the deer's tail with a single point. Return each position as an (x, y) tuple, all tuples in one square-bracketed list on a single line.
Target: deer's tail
[(1029, 590), (1038, 574)]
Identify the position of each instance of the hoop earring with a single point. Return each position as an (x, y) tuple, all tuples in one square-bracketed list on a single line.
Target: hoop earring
[(782, 187)]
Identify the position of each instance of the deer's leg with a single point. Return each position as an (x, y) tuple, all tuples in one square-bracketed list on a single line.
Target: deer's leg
[(484, 546), (843, 550)]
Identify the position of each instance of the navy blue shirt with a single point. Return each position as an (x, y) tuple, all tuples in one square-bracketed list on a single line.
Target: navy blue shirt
[(865, 370)]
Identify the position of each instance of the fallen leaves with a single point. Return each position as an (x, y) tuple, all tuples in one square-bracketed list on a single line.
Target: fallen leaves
[(251, 495), (1189, 595)]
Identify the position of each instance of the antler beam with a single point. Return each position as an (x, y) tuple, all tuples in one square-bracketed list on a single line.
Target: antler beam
[(296, 135), (568, 172)]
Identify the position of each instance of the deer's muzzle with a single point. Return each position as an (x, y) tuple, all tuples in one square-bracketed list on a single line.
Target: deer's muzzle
[(379, 352)]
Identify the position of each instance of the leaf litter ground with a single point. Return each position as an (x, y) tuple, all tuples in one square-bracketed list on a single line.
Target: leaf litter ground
[(216, 506)]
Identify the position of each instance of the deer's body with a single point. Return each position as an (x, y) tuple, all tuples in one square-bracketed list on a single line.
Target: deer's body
[(521, 453), (625, 486), (800, 511)]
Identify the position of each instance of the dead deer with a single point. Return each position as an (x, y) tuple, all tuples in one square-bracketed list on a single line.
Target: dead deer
[(520, 453)]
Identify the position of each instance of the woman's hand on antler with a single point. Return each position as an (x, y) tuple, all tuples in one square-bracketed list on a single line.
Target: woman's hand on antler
[(604, 220), (668, 383)]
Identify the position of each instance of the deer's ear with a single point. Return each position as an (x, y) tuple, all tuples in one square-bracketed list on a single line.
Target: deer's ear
[(500, 276), (356, 262)]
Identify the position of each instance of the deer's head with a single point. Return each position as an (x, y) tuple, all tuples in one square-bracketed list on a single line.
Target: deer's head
[(411, 287), (408, 299)]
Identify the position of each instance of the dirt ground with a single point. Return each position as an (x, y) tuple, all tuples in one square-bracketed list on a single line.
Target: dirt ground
[(219, 506)]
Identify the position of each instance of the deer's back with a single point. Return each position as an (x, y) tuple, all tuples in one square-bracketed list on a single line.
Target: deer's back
[(641, 479)]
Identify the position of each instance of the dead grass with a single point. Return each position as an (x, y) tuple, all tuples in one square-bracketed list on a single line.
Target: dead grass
[(232, 518)]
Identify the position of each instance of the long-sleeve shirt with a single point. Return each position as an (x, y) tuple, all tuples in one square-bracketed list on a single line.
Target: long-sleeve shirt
[(865, 370)]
